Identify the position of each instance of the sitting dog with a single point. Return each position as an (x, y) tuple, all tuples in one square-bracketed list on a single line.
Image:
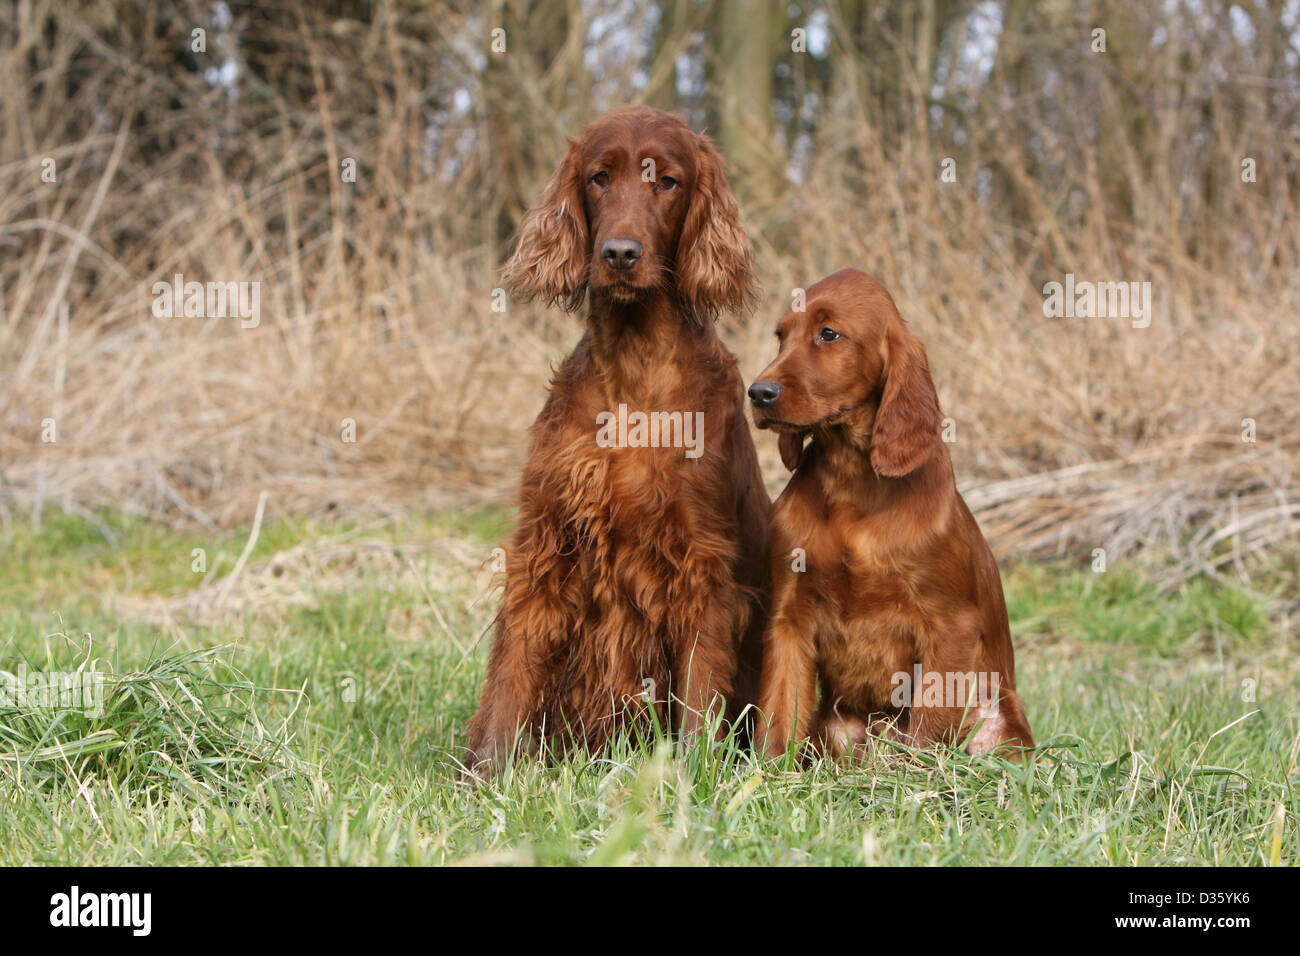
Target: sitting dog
[(884, 589), (636, 576)]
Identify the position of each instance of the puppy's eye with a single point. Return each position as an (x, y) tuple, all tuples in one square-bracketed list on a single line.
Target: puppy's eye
[(665, 184), (827, 334), (600, 178)]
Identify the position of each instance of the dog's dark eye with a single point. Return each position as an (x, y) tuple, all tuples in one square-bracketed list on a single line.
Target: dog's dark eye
[(666, 184), (827, 335), (600, 178)]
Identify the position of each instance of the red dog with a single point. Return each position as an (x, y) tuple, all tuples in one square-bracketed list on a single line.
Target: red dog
[(636, 572), (894, 600)]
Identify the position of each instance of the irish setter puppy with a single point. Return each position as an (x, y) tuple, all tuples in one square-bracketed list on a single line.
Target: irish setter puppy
[(883, 586), (638, 565)]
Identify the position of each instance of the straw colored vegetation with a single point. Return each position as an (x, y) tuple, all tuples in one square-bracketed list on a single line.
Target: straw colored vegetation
[(377, 296)]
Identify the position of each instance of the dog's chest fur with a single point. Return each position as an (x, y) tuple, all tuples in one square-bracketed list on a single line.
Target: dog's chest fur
[(649, 531), (880, 603)]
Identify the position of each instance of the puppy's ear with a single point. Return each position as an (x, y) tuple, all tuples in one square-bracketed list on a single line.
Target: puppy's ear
[(714, 259), (906, 432), (790, 445), (552, 257)]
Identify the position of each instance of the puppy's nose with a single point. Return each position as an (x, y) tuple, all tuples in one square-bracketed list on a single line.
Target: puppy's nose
[(764, 394), (620, 253)]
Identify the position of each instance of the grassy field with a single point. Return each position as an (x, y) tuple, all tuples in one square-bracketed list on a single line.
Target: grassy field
[(305, 706)]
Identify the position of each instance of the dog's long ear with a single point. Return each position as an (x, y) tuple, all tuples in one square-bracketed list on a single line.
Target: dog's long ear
[(552, 257), (714, 259), (790, 444), (906, 432)]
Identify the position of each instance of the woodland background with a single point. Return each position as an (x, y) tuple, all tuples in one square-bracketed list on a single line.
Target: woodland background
[(376, 296)]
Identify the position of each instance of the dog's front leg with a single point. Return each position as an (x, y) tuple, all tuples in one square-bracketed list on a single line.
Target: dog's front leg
[(510, 694), (703, 672), (788, 688), (534, 616)]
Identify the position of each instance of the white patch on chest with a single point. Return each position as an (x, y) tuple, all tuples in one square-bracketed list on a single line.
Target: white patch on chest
[(991, 732)]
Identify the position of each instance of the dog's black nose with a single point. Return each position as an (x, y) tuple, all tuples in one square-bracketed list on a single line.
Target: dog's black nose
[(620, 253), (764, 394)]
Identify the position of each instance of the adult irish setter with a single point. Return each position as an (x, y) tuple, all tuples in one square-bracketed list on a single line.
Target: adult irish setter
[(638, 566), (892, 598)]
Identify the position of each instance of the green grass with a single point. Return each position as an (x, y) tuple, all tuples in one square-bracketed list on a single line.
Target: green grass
[(319, 724)]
